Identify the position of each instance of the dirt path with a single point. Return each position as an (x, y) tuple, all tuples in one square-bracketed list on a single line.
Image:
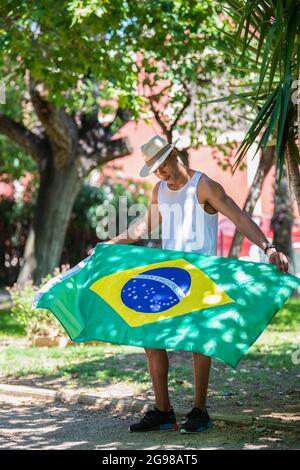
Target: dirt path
[(25, 424)]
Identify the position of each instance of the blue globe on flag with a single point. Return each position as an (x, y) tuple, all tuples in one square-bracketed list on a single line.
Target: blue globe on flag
[(156, 290)]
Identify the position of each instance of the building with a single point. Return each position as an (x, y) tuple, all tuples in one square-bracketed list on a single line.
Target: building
[(237, 185)]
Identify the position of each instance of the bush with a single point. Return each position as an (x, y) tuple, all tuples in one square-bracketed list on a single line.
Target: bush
[(39, 322), (85, 227), (17, 212)]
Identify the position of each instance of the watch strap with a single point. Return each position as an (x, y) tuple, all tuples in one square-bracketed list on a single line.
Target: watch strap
[(269, 245)]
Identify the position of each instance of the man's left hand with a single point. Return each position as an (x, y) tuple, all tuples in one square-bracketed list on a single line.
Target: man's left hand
[(278, 258)]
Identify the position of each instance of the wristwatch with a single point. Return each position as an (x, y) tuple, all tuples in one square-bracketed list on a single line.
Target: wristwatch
[(269, 245)]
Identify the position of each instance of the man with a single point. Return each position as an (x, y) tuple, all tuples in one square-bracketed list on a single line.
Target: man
[(177, 186)]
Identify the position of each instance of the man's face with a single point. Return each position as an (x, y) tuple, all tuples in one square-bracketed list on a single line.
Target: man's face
[(167, 169)]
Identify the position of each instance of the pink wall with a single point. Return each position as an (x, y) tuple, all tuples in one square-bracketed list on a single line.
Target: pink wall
[(201, 159), (234, 185)]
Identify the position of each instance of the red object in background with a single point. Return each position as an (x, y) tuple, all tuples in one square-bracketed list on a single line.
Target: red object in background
[(6, 190), (296, 233), (227, 229)]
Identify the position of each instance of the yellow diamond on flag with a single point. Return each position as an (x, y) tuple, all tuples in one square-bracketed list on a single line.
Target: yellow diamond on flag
[(158, 291)]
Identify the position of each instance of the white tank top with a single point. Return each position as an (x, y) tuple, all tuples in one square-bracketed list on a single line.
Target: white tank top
[(186, 226)]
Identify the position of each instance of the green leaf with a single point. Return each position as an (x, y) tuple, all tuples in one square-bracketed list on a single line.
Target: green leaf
[(290, 40), (285, 91), (272, 122), (255, 128), (266, 54), (262, 33)]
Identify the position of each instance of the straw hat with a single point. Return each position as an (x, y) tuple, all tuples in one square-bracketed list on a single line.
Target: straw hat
[(155, 151)]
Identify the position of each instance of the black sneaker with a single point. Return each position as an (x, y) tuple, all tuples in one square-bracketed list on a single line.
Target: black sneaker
[(156, 420), (197, 421)]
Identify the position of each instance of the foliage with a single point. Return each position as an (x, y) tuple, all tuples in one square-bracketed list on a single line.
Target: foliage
[(92, 56), (89, 218), (266, 45), (38, 322), (13, 161), (16, 215), (33, 36), (9, 326), (15, 218), (176, 87), (116, 44), (105, 37)]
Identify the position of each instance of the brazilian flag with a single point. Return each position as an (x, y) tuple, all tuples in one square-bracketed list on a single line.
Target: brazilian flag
[(168, 299)]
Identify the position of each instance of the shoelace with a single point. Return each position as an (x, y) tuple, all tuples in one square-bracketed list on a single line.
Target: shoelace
[(148, 414), (195, 412)]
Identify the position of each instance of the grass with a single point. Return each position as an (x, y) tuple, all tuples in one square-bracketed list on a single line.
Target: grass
[(288, 317), (95, 365), (90, 362), (9, 325), (91, 366)]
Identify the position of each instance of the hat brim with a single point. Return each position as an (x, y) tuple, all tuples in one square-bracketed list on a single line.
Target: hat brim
[(147, 170)]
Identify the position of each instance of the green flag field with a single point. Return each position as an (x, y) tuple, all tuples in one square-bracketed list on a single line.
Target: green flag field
[(154, 298)]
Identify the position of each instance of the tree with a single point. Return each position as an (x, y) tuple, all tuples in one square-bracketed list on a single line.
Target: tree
[(265, 163), (65, 153), (55, 68), (266, 45), (54, 117), (177, 104), (282, 219)]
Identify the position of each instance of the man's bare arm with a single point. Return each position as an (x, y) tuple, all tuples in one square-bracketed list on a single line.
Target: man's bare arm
[(222, 202)]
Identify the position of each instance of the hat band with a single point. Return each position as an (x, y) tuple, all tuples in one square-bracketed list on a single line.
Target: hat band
[(150, 161)]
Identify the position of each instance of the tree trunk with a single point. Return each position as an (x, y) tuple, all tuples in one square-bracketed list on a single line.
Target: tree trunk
[(282, 220), (66, 148), (56, 195), (298, 113), (292, 159), (264, 166)]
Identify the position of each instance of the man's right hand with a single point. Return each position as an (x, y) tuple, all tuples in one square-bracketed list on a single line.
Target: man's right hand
[(91, 251)]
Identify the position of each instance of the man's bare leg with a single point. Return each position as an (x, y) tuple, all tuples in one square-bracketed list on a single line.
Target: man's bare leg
[(201, 365), (158, 364)]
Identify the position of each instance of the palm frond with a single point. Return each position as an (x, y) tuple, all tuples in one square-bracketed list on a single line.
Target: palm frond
[(266, 43)]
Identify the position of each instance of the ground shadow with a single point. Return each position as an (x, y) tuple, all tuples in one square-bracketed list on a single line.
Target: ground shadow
[(40, 426)]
